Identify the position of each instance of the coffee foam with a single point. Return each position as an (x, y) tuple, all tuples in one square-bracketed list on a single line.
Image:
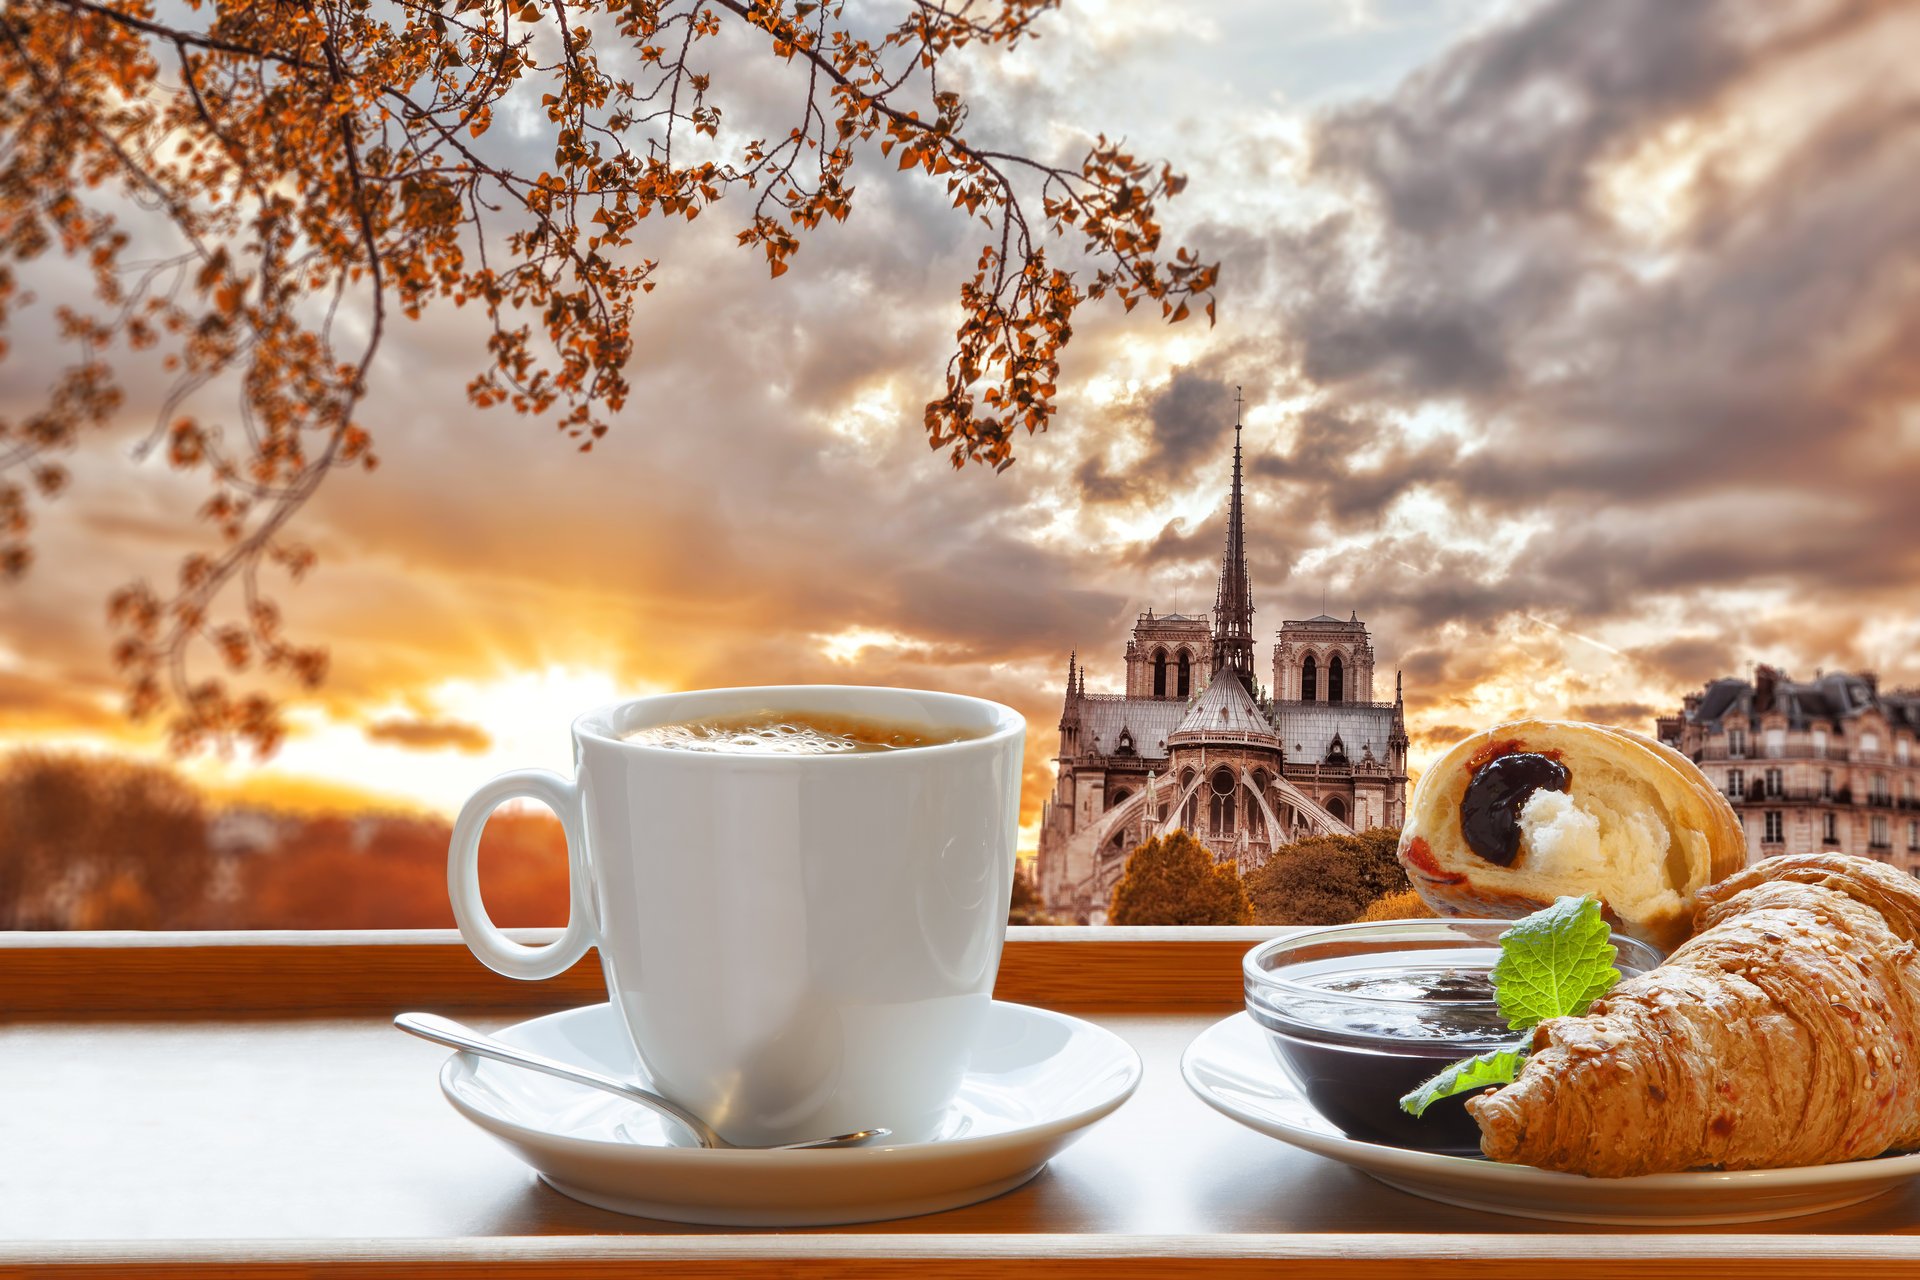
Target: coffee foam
[(781, 739)]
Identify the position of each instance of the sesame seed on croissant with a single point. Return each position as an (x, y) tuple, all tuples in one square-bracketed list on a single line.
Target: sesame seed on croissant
[(1786, 1032)]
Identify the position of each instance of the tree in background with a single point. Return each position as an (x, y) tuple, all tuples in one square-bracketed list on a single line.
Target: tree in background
[(100, 842), (1174, 880), (331, 160), (1026, 907), (1326, 879), (1404, 905)]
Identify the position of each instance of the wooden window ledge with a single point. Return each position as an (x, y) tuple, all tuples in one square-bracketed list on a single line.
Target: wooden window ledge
[(235, 1104)]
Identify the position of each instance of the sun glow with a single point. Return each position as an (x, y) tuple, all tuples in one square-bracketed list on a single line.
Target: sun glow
[(522, 717)]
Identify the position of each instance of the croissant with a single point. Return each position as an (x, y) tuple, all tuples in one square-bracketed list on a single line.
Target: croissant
[(1515, 816), (1785, 1032)]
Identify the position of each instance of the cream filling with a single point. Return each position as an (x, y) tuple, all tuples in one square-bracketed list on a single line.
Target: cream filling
[(1587, 844)]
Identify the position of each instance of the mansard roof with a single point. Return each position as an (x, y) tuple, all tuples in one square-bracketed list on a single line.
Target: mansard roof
[(1831, 698), (1225, 712)]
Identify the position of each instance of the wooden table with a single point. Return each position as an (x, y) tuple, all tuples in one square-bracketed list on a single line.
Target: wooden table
[(166, 1108)]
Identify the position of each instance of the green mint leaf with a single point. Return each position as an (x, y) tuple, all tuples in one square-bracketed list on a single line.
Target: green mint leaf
[(1554, 963), (1483, 1070)]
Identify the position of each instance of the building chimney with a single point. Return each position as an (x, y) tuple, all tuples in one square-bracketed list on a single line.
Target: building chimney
[(1765, 680)]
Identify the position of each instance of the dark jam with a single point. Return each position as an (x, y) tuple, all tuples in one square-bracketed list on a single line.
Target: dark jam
[(1490, 811), (1382, 1032)]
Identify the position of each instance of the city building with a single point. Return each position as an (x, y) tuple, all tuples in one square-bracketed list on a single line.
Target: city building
[(1827, 765), (1196, 743)]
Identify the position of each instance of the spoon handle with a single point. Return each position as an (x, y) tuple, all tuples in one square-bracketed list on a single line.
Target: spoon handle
[(457, 1035)]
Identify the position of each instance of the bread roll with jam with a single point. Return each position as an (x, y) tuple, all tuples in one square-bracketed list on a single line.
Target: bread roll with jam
[(1514, 817)]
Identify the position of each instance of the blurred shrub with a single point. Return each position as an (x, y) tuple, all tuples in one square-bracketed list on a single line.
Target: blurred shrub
[(100, 842), (1326, 879), (1404, 905), (1174, 880)]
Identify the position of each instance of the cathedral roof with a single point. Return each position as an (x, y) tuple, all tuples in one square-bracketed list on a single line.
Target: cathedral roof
[(1308, 729), (1225, 712), (1149, 721)]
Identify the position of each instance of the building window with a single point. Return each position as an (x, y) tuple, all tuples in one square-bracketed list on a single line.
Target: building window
[(1159, 673), (1879, 838), (1913, 833), (1776, 743), (1832, 831), (1222, 810), (1338, 808), (1773, 784), (1826, 784), (1309, 676), (1869, 744), (1186, 674), (1335, 680), (1736, 743), (1906, 790), (1902, 751), (1775, 827), (1819, 743), (1737, 784), (1881, 795)]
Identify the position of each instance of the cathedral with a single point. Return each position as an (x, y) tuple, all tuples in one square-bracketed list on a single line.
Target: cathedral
[(1195, 743)]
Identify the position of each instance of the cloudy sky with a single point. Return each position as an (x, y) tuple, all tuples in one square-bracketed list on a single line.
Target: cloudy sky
[(1581, 352)]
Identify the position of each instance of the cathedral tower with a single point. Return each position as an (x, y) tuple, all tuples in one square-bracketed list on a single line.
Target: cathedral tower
[(1233, 604)]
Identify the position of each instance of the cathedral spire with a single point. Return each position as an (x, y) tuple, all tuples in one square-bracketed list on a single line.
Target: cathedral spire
[(1233, 603)]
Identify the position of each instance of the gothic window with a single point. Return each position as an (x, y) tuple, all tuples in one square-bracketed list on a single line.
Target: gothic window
[(1159, 673), (1335, 680), (1337, 807), (1223, 788), (1186, 673), (1116, 797), (1309, 676)]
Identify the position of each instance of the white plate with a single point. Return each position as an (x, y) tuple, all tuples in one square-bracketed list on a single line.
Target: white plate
[(1037, 1080), (1234, 1071)]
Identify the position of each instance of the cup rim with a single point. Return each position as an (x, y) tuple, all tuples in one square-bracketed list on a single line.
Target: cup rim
[(1008, 723)]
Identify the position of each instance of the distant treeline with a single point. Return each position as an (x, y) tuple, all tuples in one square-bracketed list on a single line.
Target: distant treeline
[(105, 842)]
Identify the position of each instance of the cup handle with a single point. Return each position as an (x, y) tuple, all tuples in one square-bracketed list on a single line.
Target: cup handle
[(495, 949)]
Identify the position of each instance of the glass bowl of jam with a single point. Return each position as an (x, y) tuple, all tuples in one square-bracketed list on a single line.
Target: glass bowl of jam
[(1361, 1014)]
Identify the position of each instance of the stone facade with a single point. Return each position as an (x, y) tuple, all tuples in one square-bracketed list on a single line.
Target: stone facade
[(1829, 765), (1195, 744)]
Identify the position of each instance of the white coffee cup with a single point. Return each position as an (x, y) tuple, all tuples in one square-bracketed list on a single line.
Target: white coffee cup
[(799, 945)]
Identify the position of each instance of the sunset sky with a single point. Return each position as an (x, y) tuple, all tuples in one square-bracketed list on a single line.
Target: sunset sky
[(1581, 352)]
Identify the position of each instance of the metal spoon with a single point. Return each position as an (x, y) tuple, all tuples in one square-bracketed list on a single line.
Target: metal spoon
[(457, 1035)]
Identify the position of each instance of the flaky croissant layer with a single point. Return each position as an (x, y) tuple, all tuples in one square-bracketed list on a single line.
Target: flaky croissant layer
[(1786, 1032)]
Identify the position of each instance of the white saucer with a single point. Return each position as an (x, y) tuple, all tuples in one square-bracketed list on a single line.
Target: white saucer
[(1037, 1080), (1234, 1071)]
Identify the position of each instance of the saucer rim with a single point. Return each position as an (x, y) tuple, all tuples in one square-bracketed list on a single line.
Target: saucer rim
[(1074, 1122), (1503, 1174)]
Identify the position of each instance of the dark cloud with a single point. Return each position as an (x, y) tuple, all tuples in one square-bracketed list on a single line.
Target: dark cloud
[(431, 735)]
